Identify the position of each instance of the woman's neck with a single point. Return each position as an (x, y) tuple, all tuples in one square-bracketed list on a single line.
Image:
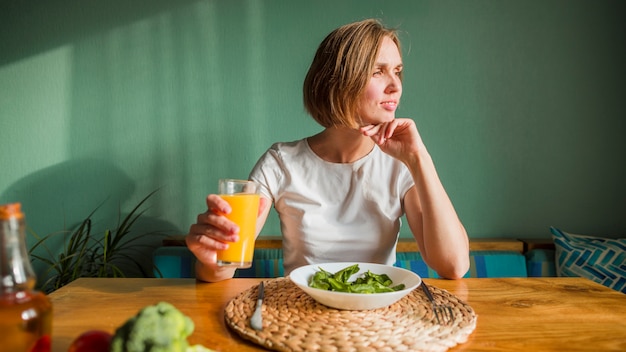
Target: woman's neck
[(340, 145)]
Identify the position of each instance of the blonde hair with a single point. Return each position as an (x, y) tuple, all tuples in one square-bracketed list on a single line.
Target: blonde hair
[(341, 70)]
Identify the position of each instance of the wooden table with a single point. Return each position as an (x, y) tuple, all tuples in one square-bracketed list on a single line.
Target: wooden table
[(514, 314)]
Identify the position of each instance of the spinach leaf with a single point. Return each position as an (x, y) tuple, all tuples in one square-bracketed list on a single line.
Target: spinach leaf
[(340, 281)]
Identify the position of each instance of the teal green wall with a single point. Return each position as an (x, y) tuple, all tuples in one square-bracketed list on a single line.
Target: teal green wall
[(521, 104)]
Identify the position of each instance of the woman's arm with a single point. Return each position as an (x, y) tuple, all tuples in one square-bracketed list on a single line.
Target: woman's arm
[(441, 237)]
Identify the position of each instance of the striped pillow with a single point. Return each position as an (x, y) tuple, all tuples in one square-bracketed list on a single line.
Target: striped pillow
[(602, 260)]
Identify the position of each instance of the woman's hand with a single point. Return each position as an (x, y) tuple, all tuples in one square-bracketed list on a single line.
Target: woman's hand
[(212, 232), (398, 138)]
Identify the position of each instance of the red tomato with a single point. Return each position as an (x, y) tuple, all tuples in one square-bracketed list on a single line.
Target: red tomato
[(92, 341), (42, 345)]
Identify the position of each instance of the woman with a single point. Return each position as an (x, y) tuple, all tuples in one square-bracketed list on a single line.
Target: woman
[(340, 193)]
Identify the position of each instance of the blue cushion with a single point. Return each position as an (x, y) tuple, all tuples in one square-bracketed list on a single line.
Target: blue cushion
[(173, 262), (267, 263), (482, 264), (540, 263), (497, 264), (413, 261), (179, 262), (602, 260)]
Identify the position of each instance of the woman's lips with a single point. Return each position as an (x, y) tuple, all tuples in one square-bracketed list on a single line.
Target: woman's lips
[(390, 105)]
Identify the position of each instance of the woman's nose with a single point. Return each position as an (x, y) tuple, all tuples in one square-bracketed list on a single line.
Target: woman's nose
[(394, 84)]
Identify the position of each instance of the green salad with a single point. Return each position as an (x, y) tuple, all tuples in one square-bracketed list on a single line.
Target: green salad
[(340, 281)]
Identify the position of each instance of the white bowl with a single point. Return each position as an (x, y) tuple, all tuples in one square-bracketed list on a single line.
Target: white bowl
[(356, 301)]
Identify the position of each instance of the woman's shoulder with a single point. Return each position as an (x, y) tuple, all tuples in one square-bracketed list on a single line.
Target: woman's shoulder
[(288, 150), (281, 158), (278, 146)]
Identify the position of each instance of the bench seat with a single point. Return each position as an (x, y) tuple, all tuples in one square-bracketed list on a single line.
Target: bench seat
[(178, 261)]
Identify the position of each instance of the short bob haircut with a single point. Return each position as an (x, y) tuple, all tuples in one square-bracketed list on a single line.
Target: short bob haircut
[(341, 70)]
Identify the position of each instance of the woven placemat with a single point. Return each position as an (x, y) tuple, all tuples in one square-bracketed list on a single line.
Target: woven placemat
[(293, 321)]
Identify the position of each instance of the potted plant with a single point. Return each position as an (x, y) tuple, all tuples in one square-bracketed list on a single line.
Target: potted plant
[(89, 254)]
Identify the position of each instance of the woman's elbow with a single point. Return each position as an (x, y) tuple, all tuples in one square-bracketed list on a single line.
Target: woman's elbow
[(455, 269)]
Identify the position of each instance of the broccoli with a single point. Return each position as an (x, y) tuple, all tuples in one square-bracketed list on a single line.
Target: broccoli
[(157, 328)]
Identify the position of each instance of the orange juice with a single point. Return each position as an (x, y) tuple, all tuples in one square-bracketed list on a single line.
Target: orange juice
[(245, 208)]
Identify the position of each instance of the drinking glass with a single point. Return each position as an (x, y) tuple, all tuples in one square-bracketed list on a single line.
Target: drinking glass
[(243, 197)]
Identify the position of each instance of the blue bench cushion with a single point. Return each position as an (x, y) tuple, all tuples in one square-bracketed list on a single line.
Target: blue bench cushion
[(540, 263), (413, 261), (179, 262), (174, 262), (268, 263), (482, 264)]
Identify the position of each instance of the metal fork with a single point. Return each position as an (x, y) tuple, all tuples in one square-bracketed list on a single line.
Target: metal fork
[(443, 313)]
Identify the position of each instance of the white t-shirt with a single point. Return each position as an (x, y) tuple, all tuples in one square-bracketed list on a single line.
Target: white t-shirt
[(333, 212)]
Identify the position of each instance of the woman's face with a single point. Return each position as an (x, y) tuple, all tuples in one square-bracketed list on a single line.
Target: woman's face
[(382, 94)]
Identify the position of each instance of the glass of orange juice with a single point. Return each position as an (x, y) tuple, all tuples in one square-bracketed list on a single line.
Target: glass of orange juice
[(243, 197)]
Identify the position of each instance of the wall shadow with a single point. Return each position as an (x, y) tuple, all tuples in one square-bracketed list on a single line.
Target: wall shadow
[(30, 28), (54, 201), (53, 198)]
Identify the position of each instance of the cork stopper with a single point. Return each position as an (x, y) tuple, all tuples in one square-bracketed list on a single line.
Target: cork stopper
[(11, 210)]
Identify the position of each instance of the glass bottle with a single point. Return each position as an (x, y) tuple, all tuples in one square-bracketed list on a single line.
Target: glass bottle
[(25, 314)]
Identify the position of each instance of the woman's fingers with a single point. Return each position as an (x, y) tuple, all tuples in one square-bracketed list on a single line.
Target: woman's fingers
[(381, 132), (370, 130), (217, 204), (204, 247), (217, 224)]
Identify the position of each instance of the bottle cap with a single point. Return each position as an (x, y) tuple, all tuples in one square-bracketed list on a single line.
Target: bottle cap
[(11, 210)]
